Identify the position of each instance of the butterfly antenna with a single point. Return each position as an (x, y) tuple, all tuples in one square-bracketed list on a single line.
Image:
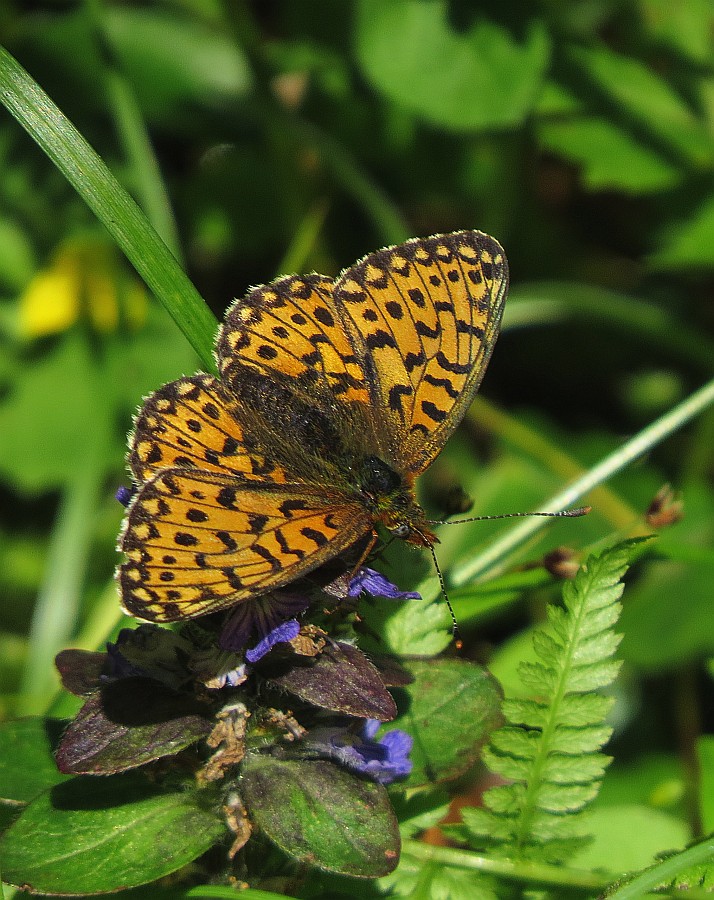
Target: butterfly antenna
[(454, 624), (560, 514)]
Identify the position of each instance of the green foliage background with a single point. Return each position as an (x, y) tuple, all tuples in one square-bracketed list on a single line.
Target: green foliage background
[(297, 136)]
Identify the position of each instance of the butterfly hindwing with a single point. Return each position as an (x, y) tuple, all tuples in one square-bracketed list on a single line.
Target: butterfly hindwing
[(197, 542)]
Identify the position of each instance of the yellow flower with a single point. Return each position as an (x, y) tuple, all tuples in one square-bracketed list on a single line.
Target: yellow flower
[(83, 280)]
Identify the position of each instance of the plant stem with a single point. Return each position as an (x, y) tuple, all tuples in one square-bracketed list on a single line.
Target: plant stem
[(493, 559), (534, 874)]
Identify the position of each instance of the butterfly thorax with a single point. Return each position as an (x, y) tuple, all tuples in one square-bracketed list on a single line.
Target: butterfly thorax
[(389, 496)]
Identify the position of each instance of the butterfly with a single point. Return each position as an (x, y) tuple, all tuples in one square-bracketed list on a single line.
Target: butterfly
[(332, 397)]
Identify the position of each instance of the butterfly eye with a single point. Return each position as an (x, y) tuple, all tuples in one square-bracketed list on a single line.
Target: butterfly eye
[(401, 531)]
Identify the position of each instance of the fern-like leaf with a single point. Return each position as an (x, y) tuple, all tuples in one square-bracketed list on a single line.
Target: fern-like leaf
[(549, 748)]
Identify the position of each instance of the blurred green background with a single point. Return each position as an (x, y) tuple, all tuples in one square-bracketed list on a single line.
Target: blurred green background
[(277, 136)]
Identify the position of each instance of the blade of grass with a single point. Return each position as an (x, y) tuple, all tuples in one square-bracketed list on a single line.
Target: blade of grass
[(522, 871), (485, 415), (492, 560), (668, 869), (304, 240), (57, 607), (93, 181)]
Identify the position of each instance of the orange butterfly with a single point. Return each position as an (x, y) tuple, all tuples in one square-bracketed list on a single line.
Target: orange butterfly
[(333, 397)]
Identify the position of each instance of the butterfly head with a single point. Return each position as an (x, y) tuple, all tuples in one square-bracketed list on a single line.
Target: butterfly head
[(390, 497)]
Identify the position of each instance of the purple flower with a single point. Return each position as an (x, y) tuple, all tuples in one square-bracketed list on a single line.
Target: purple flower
[(371, 582), (119, 665), (282, 634), (124, 495), (384, 761), (261, 616)]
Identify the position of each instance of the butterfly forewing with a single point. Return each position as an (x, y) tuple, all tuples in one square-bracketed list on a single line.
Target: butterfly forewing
[(423, 318)]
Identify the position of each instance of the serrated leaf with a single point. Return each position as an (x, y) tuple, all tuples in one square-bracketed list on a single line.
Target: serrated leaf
[(482, 823), (550, 748), (593, 676), (93, 835), (575, 711), (516, 742), (562, 769), (322, 815), (340, 679), (546, 646), (565, 798), (515, 768), (580, 740), (579, 710), (506, 799), (547, 827), (537, 677), (525, 712), (593, 649)]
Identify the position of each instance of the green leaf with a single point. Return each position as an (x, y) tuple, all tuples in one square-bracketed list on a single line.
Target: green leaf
[(575, 711), (690, 243), (644, 100), (447, 742), (681, 27), (480, 76), (627, 838), (408, 627), (417, 879), (61, 391), (322, 815), (27, 766), (92, 835), (176, 62), (609, 157)]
